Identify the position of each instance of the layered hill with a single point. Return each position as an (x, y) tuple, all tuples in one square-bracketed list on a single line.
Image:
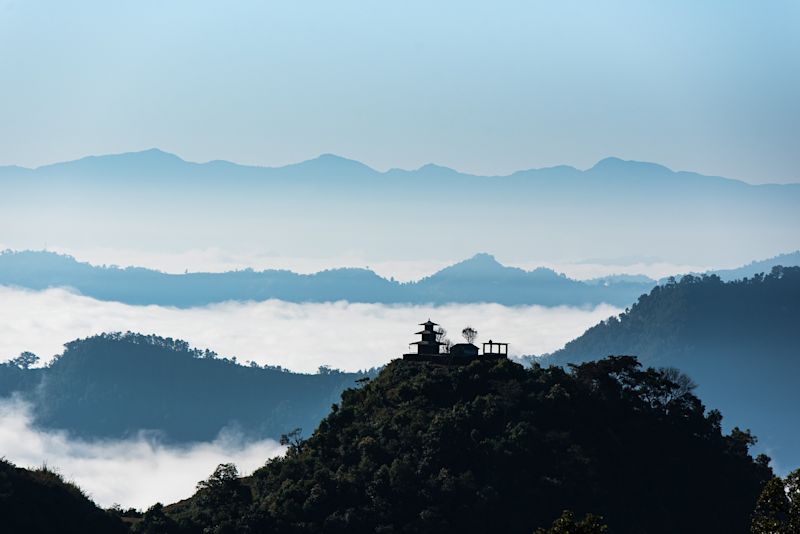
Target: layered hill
[(478, 279), (117, 385), (495, 447), (738, 340)]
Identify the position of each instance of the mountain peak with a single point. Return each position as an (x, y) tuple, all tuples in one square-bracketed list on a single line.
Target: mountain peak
[(331, 163), (481, 264), (150, 159), (614, 164)]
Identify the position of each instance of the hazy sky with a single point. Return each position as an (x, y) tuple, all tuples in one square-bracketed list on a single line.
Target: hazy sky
[(486, 87)]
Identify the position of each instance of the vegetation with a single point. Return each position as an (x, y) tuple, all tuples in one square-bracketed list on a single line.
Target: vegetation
[(114, 385), (738, 340), (566, 524), (778, 508), (495, 447), (40, 502)]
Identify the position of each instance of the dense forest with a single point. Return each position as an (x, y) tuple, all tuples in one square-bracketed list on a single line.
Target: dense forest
[(495, 447), (739, 341), (115, 385)]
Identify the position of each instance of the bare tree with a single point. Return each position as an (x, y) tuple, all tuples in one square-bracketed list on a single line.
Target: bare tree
[(470, 334), (440, 333), (441, 336)]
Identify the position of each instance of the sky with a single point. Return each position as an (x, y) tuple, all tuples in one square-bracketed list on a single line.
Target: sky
[(483, 87)]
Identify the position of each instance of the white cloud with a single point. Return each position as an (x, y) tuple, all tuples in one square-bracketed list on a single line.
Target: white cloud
[(298, 336), (137, 472)]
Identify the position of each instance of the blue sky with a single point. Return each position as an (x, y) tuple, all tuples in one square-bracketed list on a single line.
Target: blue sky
[(485, 87)]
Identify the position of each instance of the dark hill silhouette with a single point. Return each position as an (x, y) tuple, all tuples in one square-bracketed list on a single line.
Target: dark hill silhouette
[(495, 447), (115, 385), (40, 502), (738, 340)]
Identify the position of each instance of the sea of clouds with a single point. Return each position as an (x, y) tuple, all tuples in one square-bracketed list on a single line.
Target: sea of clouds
[(139, 472), (135, 472), (301, 337)]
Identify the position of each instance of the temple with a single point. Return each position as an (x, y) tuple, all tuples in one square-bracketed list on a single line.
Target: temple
[(430, 348)]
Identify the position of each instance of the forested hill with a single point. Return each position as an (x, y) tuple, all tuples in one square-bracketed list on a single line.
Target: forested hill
[(739, 340), (41, 502), (495, 447), (114, 385)]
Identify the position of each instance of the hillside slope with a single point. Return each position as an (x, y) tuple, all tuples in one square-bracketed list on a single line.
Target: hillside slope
[(112, 386), (495, 447), (739, 341), (40, 502)]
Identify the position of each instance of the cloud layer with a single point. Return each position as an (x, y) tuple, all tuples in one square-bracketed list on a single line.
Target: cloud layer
[(137, 472), (297, 336)]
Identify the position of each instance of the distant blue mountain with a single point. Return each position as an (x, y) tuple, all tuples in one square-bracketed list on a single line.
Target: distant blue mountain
[(480, 278), (328, 204)]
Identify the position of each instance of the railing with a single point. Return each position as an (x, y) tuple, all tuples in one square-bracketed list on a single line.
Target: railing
[(495, 348)]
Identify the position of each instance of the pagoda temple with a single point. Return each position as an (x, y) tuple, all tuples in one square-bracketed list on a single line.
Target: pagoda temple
[(429, 349), (428, 344)]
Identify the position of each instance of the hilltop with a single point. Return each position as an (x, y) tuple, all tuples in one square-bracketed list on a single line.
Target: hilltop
[(495, 447)]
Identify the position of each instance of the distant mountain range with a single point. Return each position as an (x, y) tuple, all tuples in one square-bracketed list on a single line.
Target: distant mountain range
[(478, 279), (155, 200), (739, 341), (114, 386)]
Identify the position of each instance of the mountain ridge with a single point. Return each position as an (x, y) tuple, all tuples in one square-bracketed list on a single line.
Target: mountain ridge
[(327, 161), (477, 279)]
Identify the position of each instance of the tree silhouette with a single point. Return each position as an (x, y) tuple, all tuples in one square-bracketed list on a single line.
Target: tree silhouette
[(25, 360), (778, 507), (469, 334)]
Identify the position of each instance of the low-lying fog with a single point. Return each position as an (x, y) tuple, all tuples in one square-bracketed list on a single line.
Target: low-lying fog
[(300, 337), (132, 473)]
